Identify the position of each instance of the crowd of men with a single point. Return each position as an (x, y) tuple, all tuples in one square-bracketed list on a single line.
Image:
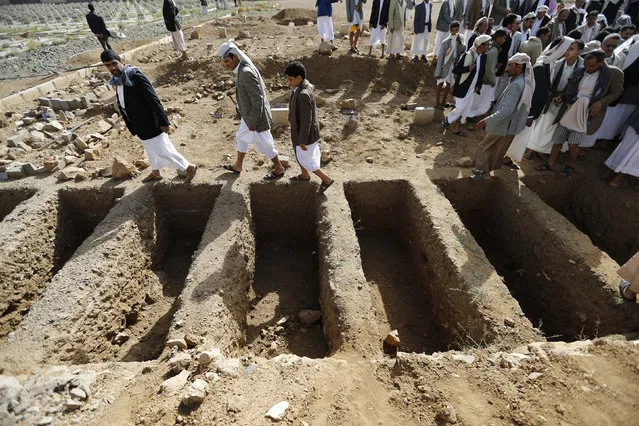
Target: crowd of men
[(540, 77)]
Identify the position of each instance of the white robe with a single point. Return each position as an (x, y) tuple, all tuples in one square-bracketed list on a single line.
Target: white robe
[(309, 159), (625, 159), (325, 28), (160, 149), (378, 34), (463, 106), (576, 117), (614, 123), (178, 41), (396, 42)]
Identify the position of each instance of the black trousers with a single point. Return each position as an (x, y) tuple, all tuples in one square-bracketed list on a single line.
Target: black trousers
[(104, 41)]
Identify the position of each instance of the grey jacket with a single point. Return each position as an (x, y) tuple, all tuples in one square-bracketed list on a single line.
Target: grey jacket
[(252, 102), (302, 114), (507, 119), (396, 15), (442, 69), (492, 54), (444, 20)]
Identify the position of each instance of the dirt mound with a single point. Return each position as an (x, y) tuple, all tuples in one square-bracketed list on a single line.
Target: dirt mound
[(296, 15)]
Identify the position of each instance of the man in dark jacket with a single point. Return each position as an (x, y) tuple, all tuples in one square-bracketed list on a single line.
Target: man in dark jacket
[(421, 27), (170, 13), (145, 117), (304, 125), (378, 23), (98, 27)]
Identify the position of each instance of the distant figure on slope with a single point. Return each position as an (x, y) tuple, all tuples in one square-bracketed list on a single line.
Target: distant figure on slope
[(98, 27)]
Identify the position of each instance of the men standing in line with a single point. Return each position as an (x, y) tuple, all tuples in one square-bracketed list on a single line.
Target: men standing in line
[(469, 75), (535, 45), (98, 27), (170, 12), (508, 117), (444, 20), (302, 116), (499, 10), (145, 117), (587, 96), (378, 22), (421, 27), (526, 25), (254, 110), (542, 19), (396, 16), (355, 16), (451, 49)]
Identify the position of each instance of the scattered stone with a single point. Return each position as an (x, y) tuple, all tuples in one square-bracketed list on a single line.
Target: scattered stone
[(29, 169), (423, 115), (509, 322), (179, 362), (468, 359), (560, 409), (447, 414), (104, 126), (67, 137), (207, 357), (348, 104), (325, 48), (243, 34), (190, 339), (393, 338), (370, 160), (233, 405), (325, 149), (69, 173), (120, 339), (278, 411), (195, 34), (77, 393), (196, 393), (12, 141), (280, 116), (53, 126), (175, 384), (36, 137), (180, 343), (534, 375), (80, 143), (122, 169), (221, 32), (309, 316), (285, 160), (229, 367), (50, 163), (44, 421), (92, 154), (465, 162), (24, 147), (15, 171), (72, 405)]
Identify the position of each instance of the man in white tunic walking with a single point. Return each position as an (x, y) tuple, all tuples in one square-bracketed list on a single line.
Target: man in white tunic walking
[(145, 117)]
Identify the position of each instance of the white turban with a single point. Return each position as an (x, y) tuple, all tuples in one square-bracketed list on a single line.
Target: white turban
[(530, 15), (551, 55), (230, 47), (529, 80), (481, 40), (542, 8)]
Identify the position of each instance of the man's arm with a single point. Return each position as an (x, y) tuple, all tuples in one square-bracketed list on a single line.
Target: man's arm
[(459, 67), (508, 103), (616, 89), (251, 84), (305, 108), (147, 91)]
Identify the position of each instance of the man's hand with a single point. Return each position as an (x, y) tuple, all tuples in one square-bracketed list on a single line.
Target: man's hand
[(391, 30), (165, 129), (471, 67), (303, 147), (481, 124), (595, 108), (382, 26), (253, 130), (557, 100), (508, 11), (529, 122)]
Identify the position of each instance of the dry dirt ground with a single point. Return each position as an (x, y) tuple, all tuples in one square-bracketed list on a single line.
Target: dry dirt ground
[(503, 294)]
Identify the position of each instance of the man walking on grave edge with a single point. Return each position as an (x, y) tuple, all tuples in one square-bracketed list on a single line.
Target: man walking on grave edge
[(508, 117), (254, 110), (98, 27), (304, 125), (145, 117), (170, 13)]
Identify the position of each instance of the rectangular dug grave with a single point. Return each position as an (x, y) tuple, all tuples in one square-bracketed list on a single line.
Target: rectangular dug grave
[(285, 313), (52, 241), (180, 215), (565, 300), (10, 198), (407, 287), (609, 218)]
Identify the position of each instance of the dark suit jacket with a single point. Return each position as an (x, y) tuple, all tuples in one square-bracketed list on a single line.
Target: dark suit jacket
[(460, 90), (96, 23), (144, 113), (608, 89), (419, 23), (170, 14), (571, 22), (383, 20), (302, 114)]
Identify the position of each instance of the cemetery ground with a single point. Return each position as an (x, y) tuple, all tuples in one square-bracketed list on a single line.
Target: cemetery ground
[(406, 294)]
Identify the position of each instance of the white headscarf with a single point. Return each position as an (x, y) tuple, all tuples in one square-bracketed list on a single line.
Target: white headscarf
[(629, 51), (552, 54), (542, 8), (529, 80), (602, 18), (231, 47)]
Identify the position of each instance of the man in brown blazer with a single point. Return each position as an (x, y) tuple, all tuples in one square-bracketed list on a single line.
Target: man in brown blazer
[(302, 114), (583, 106)]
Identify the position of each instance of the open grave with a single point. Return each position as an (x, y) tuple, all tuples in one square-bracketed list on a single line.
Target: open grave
[(180, 215), (611, 222), (409, 283), (559, 294), (286, 279), (10, 198), (64, 226)]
